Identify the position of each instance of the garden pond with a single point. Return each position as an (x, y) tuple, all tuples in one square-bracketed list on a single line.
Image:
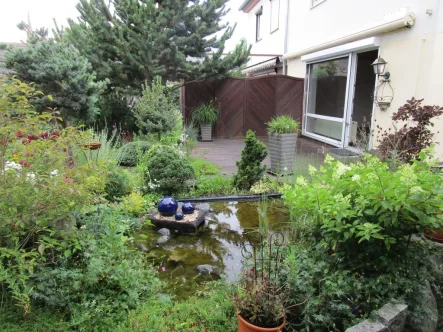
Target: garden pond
[(183, 261)]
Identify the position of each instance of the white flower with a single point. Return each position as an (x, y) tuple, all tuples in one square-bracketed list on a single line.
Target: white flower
[(342, 169), (356, 177), (301, 181), (30, 177), (54, 173), (285, 169), (12, 165)]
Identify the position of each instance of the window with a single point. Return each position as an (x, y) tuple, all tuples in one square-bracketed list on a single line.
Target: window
[(275, 13), (316, 2), (258, 15)]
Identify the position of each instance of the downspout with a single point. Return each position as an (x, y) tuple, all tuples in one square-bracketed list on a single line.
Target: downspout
[(285, 41)]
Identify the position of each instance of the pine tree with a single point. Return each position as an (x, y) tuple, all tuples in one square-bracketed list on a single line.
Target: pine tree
[(132, 41), (60, 71)]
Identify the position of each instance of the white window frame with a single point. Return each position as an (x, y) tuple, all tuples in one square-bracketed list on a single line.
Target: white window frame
[(277, 17), (258, 23), (315, 3)]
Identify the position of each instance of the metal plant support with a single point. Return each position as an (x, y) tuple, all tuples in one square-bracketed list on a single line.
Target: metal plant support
[(266, 253)]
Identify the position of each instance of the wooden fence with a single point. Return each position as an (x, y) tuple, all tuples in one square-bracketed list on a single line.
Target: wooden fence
[(246, 103)]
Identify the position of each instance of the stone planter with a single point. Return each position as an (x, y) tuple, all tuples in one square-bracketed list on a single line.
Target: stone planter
[(282, 148), (206, 131)]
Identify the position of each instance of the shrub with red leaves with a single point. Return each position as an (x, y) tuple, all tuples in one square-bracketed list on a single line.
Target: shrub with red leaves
[(415, 134)]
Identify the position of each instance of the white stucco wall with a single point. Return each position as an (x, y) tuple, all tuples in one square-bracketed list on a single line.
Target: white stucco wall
[(414, 56), (271, 43)]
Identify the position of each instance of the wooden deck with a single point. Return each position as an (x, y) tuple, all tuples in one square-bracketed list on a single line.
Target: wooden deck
[(226, 152)]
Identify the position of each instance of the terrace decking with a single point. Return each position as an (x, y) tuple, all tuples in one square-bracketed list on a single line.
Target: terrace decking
[(226, 152)]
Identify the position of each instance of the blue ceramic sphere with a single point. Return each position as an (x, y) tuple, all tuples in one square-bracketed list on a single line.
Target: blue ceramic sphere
[(167, 206), (188, 208), (178, 216)]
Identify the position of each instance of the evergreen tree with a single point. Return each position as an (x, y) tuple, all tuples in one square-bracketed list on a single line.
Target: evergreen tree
[(58, 70), (132, 41)]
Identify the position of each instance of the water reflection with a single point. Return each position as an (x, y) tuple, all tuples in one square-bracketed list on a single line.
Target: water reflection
[(218, 243)]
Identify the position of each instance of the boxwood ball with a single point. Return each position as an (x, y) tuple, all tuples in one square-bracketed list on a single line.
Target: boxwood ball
[(188, 208), (178, 216), (167, 206)]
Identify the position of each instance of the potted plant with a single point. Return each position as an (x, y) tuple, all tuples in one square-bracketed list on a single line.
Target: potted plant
[(283, 132), (261, 302), (204, 116)]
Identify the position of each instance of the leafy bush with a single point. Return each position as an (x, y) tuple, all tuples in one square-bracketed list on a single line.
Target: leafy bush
[(156, 111), (41, 185), (413, 136), (134, 204), (266, 186), (283, 124), (205, 114), (168, 170), (365, 208), (103, 280), (118, 184), (212, 186), (249, 167), (333, 293), (203, 167), (211, 310), (130, 152)]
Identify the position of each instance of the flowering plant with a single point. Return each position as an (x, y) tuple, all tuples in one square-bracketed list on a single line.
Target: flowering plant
[(366, 203)]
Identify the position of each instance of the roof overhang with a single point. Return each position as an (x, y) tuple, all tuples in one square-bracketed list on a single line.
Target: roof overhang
[(247, 5)]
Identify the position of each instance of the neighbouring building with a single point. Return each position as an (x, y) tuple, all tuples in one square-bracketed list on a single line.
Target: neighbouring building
[(332, 44), (266, 21)]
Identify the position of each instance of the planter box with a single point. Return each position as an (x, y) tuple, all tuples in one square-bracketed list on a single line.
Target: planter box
[(206, 131), (282, 149)]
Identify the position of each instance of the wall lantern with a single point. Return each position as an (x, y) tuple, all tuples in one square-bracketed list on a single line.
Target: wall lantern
[(383, 92)]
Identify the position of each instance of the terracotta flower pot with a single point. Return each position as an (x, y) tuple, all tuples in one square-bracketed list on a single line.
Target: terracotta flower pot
[(245, 326), (436, 235)]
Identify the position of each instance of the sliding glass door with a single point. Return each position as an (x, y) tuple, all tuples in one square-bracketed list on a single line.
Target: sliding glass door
[(327, 100)]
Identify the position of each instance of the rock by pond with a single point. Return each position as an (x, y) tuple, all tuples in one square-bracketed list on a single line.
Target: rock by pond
[(208, 269), (142, 248), (163, 239), (164, 232)]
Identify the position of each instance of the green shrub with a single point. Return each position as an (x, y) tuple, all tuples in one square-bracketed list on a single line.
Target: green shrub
[(156, 111), (205, 114), (212, 310), (168, 170), (212, 186), (336, 294), (365, 208), (118, 184), (103, 280), (283, 124), (130, 152), (249, 167), (266, 186), (203, 167)]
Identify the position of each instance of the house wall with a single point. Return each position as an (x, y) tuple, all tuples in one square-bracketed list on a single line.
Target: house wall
[(414, 56), (271, 43)]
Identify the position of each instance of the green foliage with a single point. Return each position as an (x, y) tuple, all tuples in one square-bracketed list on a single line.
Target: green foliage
[(102, 281), (333, 293), (168, 169), (249, 167), (266, 186), (155, 112), (42, 186), (366, 207), (212, 186), (134, 204), (205, 114), (130, 152), (211, 310), (203, 167), (132, 42), (118, 183), (283, 124), (60, 71), (109, 152), (115, 113)]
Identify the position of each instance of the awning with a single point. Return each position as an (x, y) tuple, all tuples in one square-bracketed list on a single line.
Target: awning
[(263, 66)]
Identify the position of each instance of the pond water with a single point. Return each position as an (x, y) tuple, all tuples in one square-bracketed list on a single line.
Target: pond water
[(217, 243)]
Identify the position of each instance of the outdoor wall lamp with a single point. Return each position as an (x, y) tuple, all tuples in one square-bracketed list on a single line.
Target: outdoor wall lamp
[(384, 92)]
